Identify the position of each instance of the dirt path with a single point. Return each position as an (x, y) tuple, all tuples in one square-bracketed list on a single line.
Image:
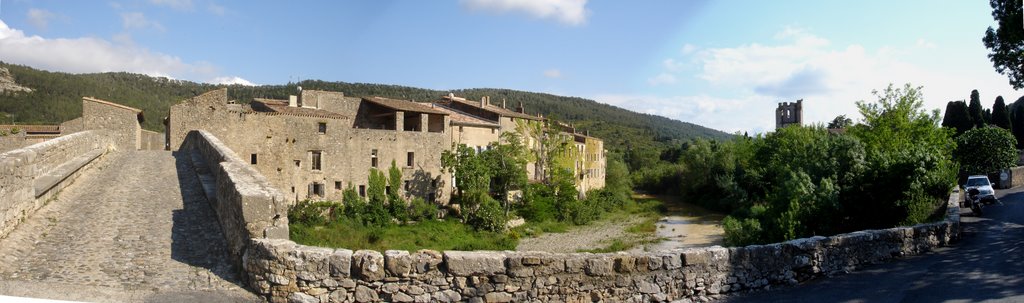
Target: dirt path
[(684, 225), (594, 236)]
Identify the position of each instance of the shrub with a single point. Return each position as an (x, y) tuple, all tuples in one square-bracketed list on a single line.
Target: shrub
[(315, 213), (420, 210), (488, 216)]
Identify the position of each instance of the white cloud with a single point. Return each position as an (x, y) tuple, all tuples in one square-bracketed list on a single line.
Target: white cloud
[(137, 20), (571, 12), (663, 78), (232, 80), (216, 9), (830, 78), (672, 65), (921, 42), (688, 49), (553, 73), (90, 55), (175, 4), (705, 110), (40, 18)]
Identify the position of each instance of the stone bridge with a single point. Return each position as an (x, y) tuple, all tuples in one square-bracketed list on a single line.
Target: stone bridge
[(84, 218), (133, 226)]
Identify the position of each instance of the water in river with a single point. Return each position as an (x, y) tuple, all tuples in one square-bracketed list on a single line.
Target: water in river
[(687, 225)]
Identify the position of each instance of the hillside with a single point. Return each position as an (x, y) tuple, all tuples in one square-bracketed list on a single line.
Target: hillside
[(56, 97)]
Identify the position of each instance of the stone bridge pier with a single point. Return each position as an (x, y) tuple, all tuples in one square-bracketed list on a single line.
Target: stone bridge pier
[(134, 227)]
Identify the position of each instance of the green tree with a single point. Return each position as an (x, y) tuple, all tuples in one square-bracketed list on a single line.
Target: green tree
[(1006, 43), (986, 150), (355, 205), (376, 211), (470, 172), (1017, 121), (396, 205), (839, 122), (957, 117), (507, 164), (1000, 114), (976, 110)]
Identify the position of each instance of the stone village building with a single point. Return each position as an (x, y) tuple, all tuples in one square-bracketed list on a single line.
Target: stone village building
[(316, 144)]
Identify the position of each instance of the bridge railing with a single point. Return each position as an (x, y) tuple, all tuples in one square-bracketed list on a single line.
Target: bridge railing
[(282, 270), (31, 176), (247, 206)]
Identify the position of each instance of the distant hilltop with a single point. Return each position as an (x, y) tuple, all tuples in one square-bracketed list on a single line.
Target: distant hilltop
[(63, 92)]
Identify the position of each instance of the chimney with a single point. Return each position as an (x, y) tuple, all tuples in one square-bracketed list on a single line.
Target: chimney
[(502, 102), (520, 108), (293, 101), (451, 96), (483, 101)]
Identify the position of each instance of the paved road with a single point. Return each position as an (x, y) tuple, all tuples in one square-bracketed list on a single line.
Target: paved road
[(124, 232), (987, 265)]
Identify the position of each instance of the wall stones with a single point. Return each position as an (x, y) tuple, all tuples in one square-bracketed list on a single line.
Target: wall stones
[(21, 170), (279, 269)]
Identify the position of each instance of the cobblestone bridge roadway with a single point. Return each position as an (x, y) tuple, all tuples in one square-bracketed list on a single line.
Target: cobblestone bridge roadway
[(136, 228)]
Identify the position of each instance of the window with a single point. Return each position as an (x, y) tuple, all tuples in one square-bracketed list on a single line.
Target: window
[(252, 159), (408, 186), (387, 189), (337, 185), (298, 163), (433, 183), (317, 189), (315, 159), (362, 191), (293, 189), (410, 159), (373, 158), (321, 127)]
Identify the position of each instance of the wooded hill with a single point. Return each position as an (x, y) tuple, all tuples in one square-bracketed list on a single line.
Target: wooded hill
[(56, 97)]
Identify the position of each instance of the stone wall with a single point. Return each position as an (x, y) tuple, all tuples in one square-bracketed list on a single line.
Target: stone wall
[(151, 140), (71, 126), (284, 271), (246, 205), (13, 141), (282, 147), (30, 176), (124, 123)]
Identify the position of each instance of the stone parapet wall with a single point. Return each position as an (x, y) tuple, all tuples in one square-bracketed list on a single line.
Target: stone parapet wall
[(151, 140), (287, 272), (246, 205), (21, 169)]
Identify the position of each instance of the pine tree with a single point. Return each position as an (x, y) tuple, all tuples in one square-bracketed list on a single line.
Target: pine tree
[(1000, 114)]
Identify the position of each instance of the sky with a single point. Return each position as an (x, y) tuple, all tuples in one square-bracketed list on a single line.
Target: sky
[(721, 64)]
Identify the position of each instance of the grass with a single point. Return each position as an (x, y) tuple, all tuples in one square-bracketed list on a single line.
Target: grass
[(433, 234), (454, 235)]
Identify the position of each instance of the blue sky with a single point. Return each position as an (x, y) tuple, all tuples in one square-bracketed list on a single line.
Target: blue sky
[(721, 64)]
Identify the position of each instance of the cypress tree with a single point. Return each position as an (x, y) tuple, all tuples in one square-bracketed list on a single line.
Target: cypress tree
[(1000, 114), (957, 117), (976, 111), (1017, 122)]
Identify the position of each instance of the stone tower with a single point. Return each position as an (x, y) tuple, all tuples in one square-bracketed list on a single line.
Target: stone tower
[(789, 113)]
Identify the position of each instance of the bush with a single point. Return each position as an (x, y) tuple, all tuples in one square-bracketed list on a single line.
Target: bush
[(488, 216), (986, 150), (421, 210), (315, 213)]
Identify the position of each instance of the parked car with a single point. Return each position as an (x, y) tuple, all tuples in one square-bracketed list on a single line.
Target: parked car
[(988, 195)]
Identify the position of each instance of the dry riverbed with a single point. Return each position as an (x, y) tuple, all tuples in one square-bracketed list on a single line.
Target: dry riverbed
[(683, 225)]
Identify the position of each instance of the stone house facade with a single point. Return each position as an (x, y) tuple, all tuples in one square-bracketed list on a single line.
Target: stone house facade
[(311, 153), (317, 144)]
